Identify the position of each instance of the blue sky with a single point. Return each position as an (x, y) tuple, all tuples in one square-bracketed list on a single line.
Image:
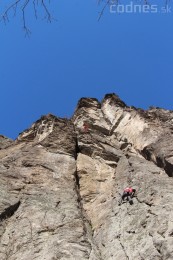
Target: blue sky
[(77, 56)]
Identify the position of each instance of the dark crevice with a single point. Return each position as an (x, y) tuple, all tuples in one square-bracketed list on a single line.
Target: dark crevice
[(77, 149), (168, 168), (160, 161), (57, 203), (77, 180), (124, 146), (151, 213), (105, 118), (170, 234), (27, 164), (158, 250), (9, 212), (46, 167), (76, 174), (116, 124)]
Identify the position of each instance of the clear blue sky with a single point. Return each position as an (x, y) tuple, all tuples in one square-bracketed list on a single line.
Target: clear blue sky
[(77, 56)]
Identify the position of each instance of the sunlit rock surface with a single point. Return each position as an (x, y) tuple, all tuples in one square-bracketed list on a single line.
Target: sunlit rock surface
[(61, 181)]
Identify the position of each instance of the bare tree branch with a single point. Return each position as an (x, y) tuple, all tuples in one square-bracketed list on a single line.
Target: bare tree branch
[(103, 9), (35, 9), (26, 29), (48, 15), (22, 5)]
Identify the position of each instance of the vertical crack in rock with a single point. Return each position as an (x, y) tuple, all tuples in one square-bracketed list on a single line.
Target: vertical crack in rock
[(86, 221), (78, 184)]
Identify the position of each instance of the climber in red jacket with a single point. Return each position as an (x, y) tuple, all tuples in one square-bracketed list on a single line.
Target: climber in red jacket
[(128, 194)]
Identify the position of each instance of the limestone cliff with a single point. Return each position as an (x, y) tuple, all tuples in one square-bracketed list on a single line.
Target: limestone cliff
[(61, 182)]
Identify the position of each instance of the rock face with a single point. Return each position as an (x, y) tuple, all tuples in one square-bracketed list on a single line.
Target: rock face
[(61, 182), (4, 142)]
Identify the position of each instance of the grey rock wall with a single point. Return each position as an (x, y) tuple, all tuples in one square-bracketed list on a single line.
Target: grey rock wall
[(61, 182)]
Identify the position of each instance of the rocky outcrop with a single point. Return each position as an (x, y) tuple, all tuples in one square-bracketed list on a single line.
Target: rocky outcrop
[(61, 182), (5, 142)]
